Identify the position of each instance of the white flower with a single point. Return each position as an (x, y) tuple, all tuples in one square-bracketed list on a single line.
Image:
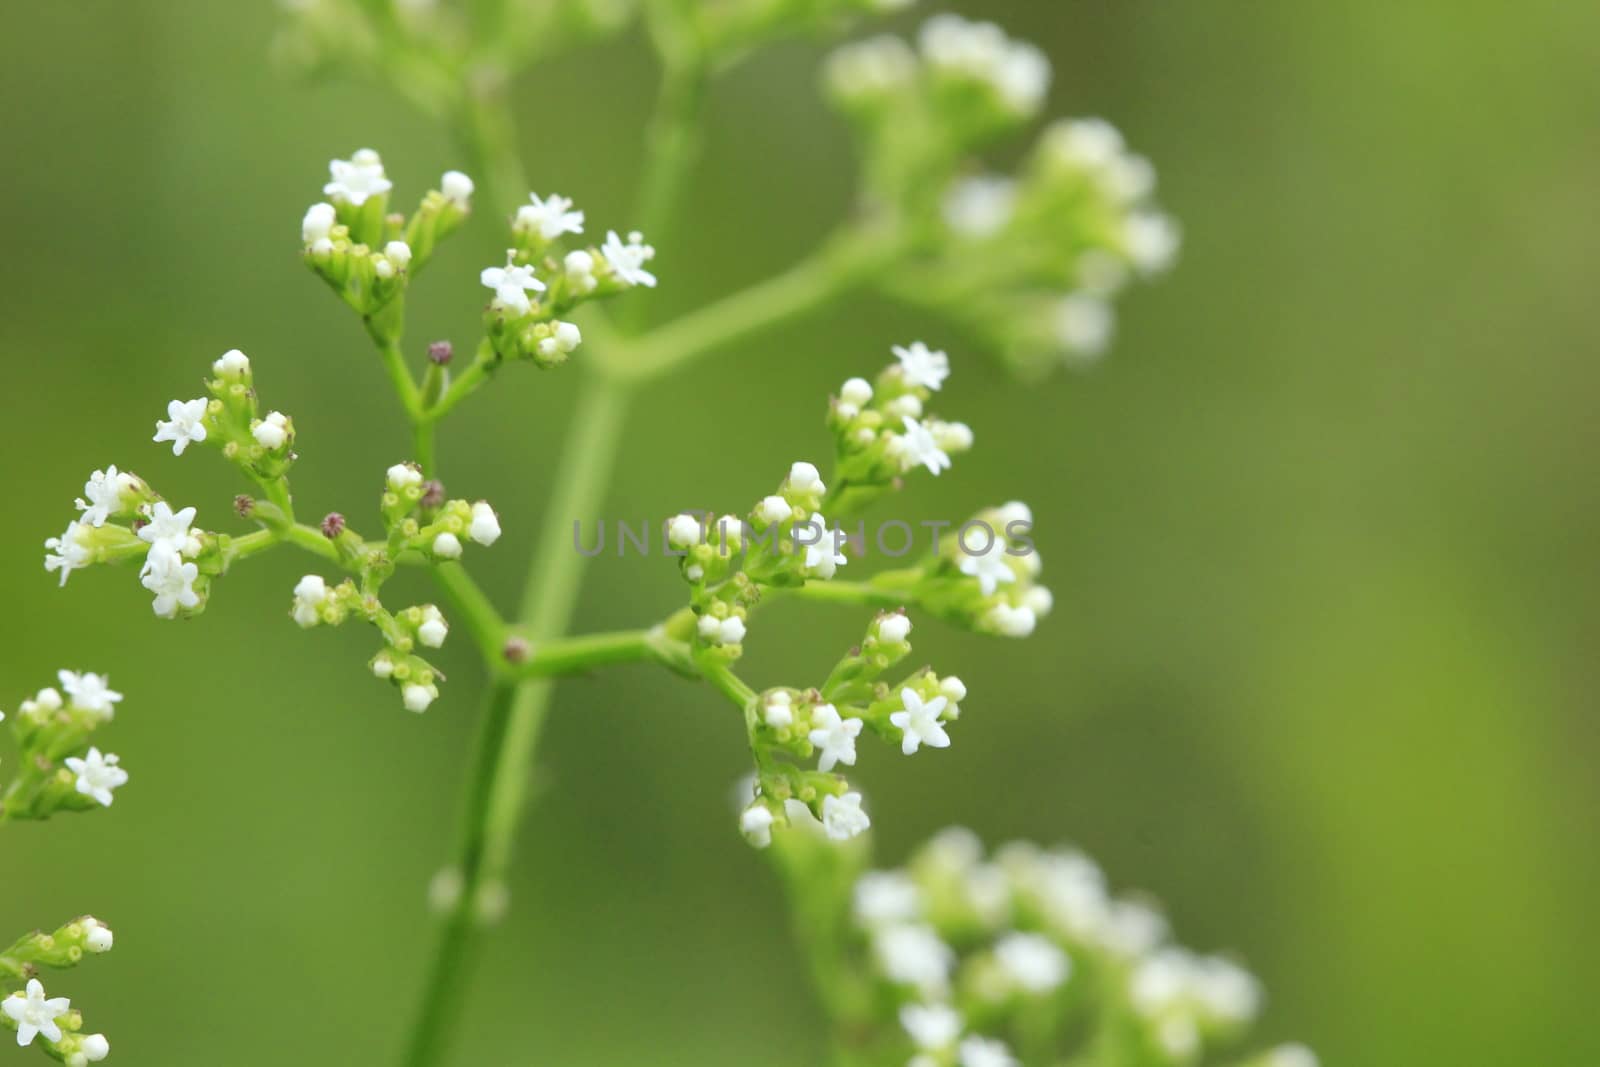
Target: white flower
[(33, 1014), (318, 223), (1084, 324), (951, 436), (953, 689), (913, 955), (856, 391), (1228, 992), (382, 666), (909, 404), (989, 567), (804, 478), (447, 546), (417, 697), (232, 363), (579, 267), (835, 736), (1087, 144), (884, 897), (310, 593), (97, 776), (95, 1048), (842, 817), (872, 68), (1033, 961), (986, 1052), (97, 936), (1012, 622), (1039, 600), (171, 579), (1023, 77), (398, 253), (729, 631), (932, 1027), (402, 476), (457, 188), (485, 526), (357, 178), (980, 207), (779, 711), (170, 529), (1017, 71), (511, 285), (919, 448), (921, 366), (433, 629), (1290, 1056), (1152, 241), (550, 217), (106, 492), (67, 553), (756, 825), (1131, 929), (89, 692), (920, 722), (894, 628), (773, 510), (823, 556), (184, 424), (566, 338), (627, 260), (684, 531), (271, 432)]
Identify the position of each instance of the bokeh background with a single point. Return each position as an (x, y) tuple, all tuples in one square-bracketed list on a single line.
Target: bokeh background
[(1322, 531)]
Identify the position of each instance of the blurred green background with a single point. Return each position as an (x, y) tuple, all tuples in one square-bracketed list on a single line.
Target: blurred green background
[(1322, 532)]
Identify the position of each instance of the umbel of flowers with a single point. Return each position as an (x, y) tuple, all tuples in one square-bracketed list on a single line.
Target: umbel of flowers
[(1023, 956)]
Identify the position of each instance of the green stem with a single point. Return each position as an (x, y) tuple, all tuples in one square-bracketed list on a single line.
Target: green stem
[(405, 386), (837, 592), (458, 390), (422, 436)]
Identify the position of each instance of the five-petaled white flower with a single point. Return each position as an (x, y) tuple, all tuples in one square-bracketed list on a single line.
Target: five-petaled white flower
[(171, 579), (357, 178), (989, 567), (823, 556), (33, 1014), (551, 216), (986, 1052), (1033, 962), (511, 284), (67, 553), (185, 423), (97, 775), (835, 736), (922, 366), (89, 692), (627, 260), (920, 722), (842, 817), (918, 446), (170, 529), (932, 1027), (105, 491)]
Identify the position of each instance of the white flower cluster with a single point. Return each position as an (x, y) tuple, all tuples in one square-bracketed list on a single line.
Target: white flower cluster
[(953, 56), (977, 952), (53, 727), (33, 1014)]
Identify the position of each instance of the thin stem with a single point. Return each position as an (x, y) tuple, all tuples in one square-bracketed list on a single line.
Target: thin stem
[(423, 444), (405, 386), (840, 592), (458, 390)]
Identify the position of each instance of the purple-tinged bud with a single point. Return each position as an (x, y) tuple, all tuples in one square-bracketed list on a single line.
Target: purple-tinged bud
[(432, 494), (441, 352), (244, 505), (517, 650), (333, 525)]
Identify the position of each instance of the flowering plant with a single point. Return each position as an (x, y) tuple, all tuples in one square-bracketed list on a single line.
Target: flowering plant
[(1028, 264)]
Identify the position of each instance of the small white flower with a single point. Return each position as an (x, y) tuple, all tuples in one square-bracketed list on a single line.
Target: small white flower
[(732, 630), (922, 366), (485, 526), (1152, 241), (1023, 77), (171, 579), (67, 553), (88, 692), (96, 1048), (1084, 324), (804, 478), (511, 285), (97, 776), (318, 223), (33, 1014), (884, 897), (310, 593), (106, 492), (98, 937), (567, 336), (902, 406), (357, 178), (980, 207), (684, 531), (447, 546), (919, 448), (1039, 600), (433, 629), (402, 476), (184, 424), (773, 510), (951, 436), (986, 1052), (579, 268), (870, 69), (913, 955), (232, 363), (779, 711), (953, 689), (170, 529), (842, 817), (835, 736), (1290, 1056), (417, 697), (989, 567), (457, 188), (894, 628), (920, 722), (627, 260), (382, 666), (756, 825), (1033, 962), (932, 1027), (550, 217), (271, 432), (398, 253), (857, 391), (823, 556), (1012, 622)]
